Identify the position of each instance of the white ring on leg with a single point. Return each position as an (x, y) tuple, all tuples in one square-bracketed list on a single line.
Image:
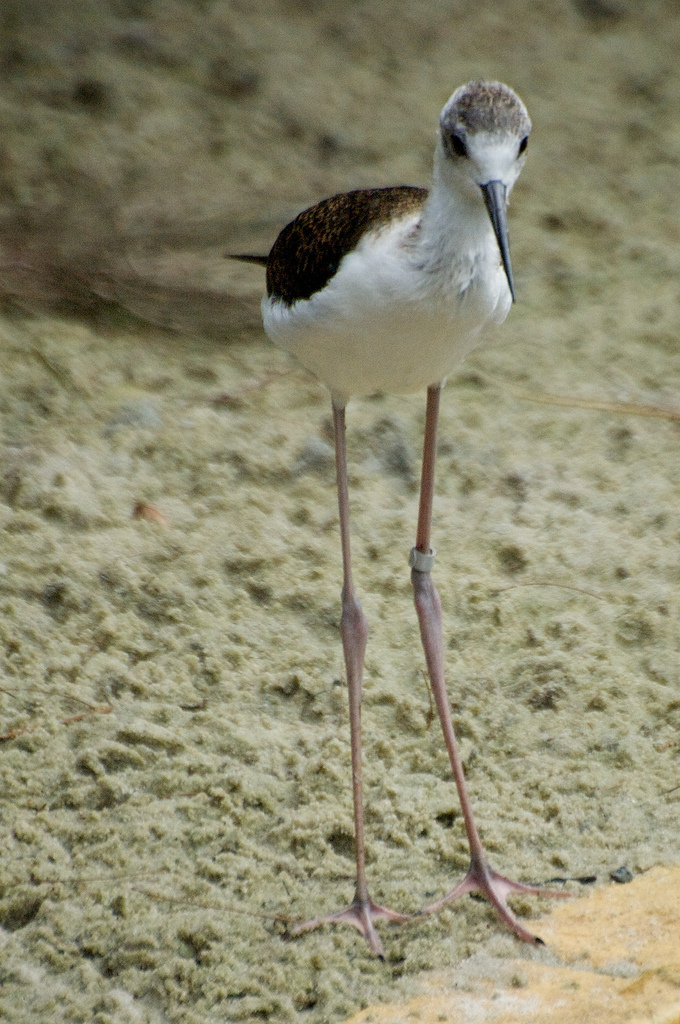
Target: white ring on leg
[(420, 561)]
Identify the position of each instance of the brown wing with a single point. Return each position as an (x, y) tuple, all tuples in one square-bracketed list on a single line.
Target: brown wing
[(308, 251)]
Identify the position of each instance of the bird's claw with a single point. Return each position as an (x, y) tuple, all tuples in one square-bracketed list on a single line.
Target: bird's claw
[(361, 914), (496, 888)]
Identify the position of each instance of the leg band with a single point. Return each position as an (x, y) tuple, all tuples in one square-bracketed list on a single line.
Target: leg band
[(420, 561)]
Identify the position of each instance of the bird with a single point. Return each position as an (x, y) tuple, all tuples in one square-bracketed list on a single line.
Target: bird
[(387, 290)]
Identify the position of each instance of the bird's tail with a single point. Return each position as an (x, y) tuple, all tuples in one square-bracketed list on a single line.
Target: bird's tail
[(247, 258)]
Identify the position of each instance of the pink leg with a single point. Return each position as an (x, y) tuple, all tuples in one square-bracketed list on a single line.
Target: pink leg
[(362, 912), (480, 877)]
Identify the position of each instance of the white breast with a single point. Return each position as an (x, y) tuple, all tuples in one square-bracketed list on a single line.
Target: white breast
[(397, 316)]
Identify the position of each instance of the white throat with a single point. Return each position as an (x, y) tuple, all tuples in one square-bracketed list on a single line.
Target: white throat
[(457, 242)]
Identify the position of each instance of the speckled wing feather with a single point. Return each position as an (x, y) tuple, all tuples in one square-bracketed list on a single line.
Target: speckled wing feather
[(308, 251)]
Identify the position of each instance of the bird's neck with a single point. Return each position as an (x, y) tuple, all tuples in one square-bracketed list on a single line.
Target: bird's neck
[(456, 234)]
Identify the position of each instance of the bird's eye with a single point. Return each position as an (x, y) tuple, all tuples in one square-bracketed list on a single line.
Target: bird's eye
[(523, 145), (458, 146)]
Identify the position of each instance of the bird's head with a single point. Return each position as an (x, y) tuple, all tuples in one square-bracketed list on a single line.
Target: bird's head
[(484, 131)]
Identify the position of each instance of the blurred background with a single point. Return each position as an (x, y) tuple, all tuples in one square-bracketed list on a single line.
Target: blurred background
[(141, 139)]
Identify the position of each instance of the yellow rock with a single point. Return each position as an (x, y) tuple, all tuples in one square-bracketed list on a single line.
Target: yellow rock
[(613, 931)]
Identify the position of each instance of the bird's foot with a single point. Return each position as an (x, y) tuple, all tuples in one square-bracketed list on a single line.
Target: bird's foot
[(360, 914), (482, 878)]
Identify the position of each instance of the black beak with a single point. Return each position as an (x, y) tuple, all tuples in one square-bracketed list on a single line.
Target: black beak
[(494, 197)]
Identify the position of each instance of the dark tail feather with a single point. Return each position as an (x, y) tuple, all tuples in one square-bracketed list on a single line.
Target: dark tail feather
[(247, 258)]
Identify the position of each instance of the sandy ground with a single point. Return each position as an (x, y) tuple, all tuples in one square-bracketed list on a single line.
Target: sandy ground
[(175, 751), (614, 961)]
